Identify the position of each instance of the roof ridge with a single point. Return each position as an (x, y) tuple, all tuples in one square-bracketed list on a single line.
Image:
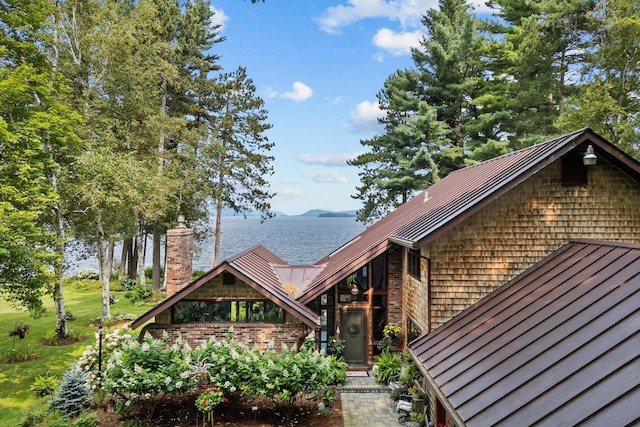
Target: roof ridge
[(521, 150)]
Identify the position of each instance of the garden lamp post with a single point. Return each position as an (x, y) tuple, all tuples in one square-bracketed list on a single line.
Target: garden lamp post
[(100, 333)]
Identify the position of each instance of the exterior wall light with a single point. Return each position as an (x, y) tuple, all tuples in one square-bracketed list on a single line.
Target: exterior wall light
[(354, 289), (590, 157)]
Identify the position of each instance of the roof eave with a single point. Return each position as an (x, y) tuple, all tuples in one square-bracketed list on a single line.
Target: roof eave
[(290, 305), (330, 281), (534, 168)]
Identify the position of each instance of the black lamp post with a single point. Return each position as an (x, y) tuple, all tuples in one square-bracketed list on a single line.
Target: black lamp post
[(100, 333)]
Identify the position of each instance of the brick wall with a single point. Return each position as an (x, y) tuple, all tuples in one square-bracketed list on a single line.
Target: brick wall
[(179, 258), (261, 334), (522, 227), (394, 286)]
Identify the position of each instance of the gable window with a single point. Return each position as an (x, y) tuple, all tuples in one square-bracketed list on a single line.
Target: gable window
[(245, 311), (413, 263)]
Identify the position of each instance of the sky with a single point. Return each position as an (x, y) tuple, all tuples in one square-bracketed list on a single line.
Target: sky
[(318, 65)]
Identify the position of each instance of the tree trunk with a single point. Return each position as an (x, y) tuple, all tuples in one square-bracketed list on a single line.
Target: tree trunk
[(133, 259), (105, 275), (216, 232), (140, 251), (62, 328), (124, 258), (155, 272), (112, 247)]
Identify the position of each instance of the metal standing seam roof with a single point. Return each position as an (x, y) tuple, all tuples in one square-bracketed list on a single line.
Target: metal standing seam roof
[(254, 267), (557, 345), (448, 201)]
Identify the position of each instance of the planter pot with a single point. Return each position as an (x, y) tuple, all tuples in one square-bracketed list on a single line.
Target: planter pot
[(413, 424)]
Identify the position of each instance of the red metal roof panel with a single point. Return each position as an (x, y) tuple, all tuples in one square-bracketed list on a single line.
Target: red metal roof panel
[(558, 344)]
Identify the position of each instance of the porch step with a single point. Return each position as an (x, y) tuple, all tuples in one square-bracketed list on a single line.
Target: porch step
[(362, 389), (365, 384)]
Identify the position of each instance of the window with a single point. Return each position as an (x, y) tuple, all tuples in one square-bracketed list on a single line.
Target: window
[(227, 311), (413, 330), (413, 263)]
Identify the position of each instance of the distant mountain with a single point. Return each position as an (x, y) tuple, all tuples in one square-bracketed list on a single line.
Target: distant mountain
[(313, 213), (320, 213)]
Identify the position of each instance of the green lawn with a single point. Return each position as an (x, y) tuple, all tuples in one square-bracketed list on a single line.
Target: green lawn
[(15, 379)]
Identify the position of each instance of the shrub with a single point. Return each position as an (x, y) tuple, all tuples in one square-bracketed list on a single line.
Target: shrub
[(144, 371), (73, 395), (388, 366), (127, 283), (87, 274), (197, 274), (338, 370), (44, 385), (336, 346), (148, 272), (88, 419)]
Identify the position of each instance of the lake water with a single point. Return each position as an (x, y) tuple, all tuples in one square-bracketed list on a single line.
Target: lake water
[(297, 240)]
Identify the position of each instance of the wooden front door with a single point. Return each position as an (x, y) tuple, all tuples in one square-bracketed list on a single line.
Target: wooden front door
[(353, 334)]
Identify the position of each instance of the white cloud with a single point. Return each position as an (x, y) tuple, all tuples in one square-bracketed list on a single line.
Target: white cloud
[(324, 177), (365, 117), (407, 12), (301, 92), (397, 43), (219, 18), (327, 159)]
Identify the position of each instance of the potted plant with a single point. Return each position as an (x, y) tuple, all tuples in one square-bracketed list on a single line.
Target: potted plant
[(416, 419), (20, 330)]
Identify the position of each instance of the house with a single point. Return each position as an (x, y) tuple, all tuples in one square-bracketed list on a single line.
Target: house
[(429, 259), (557, 345)]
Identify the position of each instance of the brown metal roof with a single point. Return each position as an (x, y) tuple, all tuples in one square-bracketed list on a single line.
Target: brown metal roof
[(452, 200), (557, 345), (253, 267)]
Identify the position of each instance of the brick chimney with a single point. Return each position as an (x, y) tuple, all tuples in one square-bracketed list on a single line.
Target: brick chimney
[(179, 257)]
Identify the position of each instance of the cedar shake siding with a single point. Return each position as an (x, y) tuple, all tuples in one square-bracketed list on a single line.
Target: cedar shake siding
[(520, 228)]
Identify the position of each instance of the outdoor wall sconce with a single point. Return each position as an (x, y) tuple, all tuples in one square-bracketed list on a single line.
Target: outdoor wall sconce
[(354, 289), (590, 157)]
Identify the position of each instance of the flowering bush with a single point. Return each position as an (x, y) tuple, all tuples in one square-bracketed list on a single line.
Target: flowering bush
[(140, 372), (88, 362), (208, 400)]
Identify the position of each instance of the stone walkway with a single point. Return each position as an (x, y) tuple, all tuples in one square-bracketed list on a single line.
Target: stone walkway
[(366, 403)]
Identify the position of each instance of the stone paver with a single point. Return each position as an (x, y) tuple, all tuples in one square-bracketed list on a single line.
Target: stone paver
[(367, 404)]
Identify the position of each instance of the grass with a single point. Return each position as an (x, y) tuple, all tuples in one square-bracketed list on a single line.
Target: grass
[(15, 379)]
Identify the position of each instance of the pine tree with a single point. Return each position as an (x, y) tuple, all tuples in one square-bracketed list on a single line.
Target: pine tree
[(236, 162), (539, 44), (608, 100), (73, 395), (452, 81), (399, 162)]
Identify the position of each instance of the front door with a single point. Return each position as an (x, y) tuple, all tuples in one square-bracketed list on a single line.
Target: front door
[(353, 334)]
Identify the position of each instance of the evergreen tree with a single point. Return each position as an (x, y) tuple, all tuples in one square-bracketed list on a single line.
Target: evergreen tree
[(399, 162), (608, 102), (74, 394), (452, 79), (539, 44), (236, 162)]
